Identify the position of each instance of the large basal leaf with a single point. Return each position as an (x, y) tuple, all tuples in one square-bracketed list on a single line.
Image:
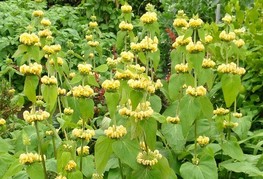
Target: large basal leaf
[(112, 100), (103, 150), (86, 107), (126, 150), (50, 94), (232, 149), (231, 85), (206, 169), (243, 167), (149, 128), (35, 171), (30, 86), (174, 135), (188, 113)]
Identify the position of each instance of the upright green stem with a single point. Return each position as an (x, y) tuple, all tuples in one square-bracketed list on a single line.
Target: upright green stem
[(195, 150), (41, 151), (54, 147), (81, 155), (121, 171)]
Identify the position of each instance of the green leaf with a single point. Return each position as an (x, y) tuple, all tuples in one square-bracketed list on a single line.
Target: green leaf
[(146, 173), (155, 57), (142, 58), (156, 103), (13, 169), (86, 107), (112, 100), (127, 150), (206, 169), (243, 167), (50, 94), (103, 150), (136, 97), (51, 164), (75, 174), (62, 161), (121, 35), (124, 91), (232, 149), (150, 129), (195, 61), (101, 69), (21, 49), (206, 106), (201, 34), (88, 166), (231, 85), (92, 81), (167, 171), (206, 77), (35, 171), (35, 53), (30, 86), (188, 33), (174, 135), (76, 79), (187, 104)]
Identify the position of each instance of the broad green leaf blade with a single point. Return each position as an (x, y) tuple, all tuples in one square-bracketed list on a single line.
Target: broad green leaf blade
[(149, 128), (75, 175), (188, 113), (92, 81), (146, 173), (231, 85), (87, 165), (102, 68), (121, 35), (206, 106), (112, 100), (156, 103), (13, 169), (86, 107), (21, 49), (243, 167), (232, 149), (174, 135), (206, 169), (35, 171), (30, 86), (50, 95), (136, 97), (103, 150), (166, 171), (127, 150)]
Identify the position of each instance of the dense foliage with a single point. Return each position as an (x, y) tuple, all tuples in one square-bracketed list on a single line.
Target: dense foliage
[(107, 89)]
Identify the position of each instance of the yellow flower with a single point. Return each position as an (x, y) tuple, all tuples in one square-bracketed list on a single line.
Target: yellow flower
[(126, 8), (38, 13), (111, 62), (195, 47), (61, 177), (82, 91), (208, 63), (198, 91), (45, 33), (35, 116), (239, 43), (181, 68), (181, 41), (174, 120), (28, 39), (125, 26), (91, 55), (68, 111), (31, 69), (240, 31), (111, 85), (202, 140), (237, 115), (115, 132), (147, 44), (148, 158), (127, 57), (227, 36), (29, 158), (220, 111), (229, 124), (89, 37), (93, 24), (84, 69), (208, 38), (71, 165), (49, 133), (227, 19), (49, 80), (93, 43), (180, 22), (83, 134), (195, 22), (71, 75), (97, 176), (231, 68), (149, 17), (51, 49), (85, 150), (45, 22), (2, 122), (127, 74)]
